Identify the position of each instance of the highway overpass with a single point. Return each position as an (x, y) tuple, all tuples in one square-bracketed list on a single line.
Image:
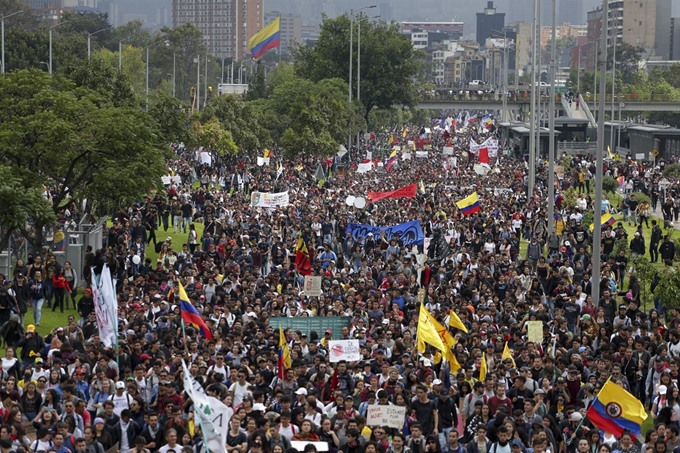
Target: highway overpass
[(523, 105)]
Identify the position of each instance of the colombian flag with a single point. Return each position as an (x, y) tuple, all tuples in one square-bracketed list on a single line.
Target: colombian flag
[(607, 219), (266, 39), (469, 205), (190, 315), (615, 410), (285, 362)]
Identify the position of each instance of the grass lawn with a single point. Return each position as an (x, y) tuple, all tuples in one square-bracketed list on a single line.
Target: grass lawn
[(52, 320)]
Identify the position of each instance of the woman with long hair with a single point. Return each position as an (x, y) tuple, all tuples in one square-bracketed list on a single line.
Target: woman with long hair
[(306, 433), (481, 418), (31, 401), (326, 434)]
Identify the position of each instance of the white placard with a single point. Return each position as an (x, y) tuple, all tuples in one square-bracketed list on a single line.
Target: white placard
[(300, 445), (268, 199), (369, 155), (262, 161), (639, 156), (348, 350), (421, 154), (312, 286), (364, 168), (406, 156), (392, 416), (448, 151)]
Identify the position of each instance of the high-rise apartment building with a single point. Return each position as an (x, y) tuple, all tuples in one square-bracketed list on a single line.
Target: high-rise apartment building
[(489, 23), (226, 24), (291, 29)]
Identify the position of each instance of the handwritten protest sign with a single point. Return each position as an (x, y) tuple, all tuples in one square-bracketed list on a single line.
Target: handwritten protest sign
[(392, 416)]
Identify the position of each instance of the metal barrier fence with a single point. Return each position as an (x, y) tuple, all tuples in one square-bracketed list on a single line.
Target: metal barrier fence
[(66, 244)]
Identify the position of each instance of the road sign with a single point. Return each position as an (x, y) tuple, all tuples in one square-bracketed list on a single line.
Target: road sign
[(664, 184), (655, 152)]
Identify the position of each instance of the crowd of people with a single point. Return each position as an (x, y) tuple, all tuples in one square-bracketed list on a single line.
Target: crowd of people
[(64, 391)]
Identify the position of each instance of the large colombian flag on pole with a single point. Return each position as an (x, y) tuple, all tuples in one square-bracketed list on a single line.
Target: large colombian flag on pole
[(190, 315), (469, 205), (615, 410), (266, 39)]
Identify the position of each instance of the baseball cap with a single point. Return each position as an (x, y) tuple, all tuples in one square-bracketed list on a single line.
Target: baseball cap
[(516, 443), (145, 357), (120, 385), (99, 420), (663, 389), (30, 328), (301, 391), (437, 382), (576, 417)]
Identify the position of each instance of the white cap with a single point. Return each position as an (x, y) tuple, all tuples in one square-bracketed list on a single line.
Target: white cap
[(259, 407), (576, 417), (120, 385), (427, 362), (301, 391), (437, 382), (662, 390)]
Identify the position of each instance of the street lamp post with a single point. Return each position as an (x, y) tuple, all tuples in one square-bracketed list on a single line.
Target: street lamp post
[(532, 126), (3, 36), (551, 125), (359, 67), (51, 28), (147, 68), (89, 41), (174, 64), (351, 60)]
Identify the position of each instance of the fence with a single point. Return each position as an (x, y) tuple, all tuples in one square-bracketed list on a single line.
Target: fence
[(577, 148), (66, 244)]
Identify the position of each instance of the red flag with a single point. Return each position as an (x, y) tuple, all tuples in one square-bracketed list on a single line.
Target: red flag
[(483, 155), (405, 192), (302, 261)]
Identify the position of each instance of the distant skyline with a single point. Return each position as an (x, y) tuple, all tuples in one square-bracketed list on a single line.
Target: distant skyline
[(400, 10)]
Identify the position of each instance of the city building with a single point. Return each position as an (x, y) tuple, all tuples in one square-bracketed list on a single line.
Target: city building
[(594, 27), (226, 25), (674, 51), (489, 23), (453, 29), (49, 10), (561, 31), (291, 29), (639, 23), (520, 60)]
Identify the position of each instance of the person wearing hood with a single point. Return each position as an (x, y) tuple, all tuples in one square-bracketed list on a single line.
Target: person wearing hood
[(12, 331)]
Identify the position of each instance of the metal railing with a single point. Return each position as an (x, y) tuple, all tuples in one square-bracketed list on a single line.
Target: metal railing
[(643, 97), (578, 148), (589, 114)]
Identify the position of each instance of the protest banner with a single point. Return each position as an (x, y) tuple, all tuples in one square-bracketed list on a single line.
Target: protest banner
[(409, 233), (319, 324), (348, 350), (448, 151), (404, 192), (392, 416), (268, 199), (312, 286), (421, 154), (535, 331), (364, 167)]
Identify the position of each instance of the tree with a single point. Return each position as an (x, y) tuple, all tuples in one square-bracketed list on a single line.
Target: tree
[(308, 117), (20, 205), (171, 117), (242, 119), (77, 142), (257, 87), (609, 184), (212, 136), (389, 63), (668, 287)]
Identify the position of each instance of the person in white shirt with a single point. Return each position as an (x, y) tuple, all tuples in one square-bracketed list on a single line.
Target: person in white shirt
[(239, 389), (171, 439), (121, 399)]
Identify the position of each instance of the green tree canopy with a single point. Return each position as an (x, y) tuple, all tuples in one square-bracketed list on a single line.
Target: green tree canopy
[(309, 117), (389, 63), (76, 141)]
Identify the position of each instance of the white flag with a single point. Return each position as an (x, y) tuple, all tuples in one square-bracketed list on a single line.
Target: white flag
[(212, 414), (105, 307)]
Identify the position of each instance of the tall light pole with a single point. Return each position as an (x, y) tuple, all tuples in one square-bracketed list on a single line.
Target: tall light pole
[(351, 60), (198, 83), (611, 128), (174, 65), (89, 41), (359, 66), (532, 118), (120, 56), (597, 218), (551, 125), (51, 28), (205, 79), (147, 68), (3, 36)]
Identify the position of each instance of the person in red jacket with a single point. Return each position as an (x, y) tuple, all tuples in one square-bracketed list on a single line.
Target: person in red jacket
[(61, 288)]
